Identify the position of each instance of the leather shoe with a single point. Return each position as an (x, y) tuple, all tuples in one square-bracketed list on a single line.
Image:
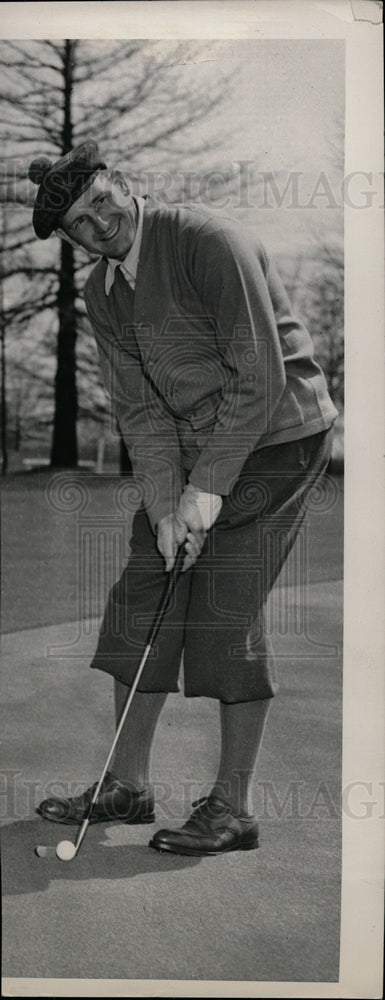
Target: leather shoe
[(213, 828), (115, 802)]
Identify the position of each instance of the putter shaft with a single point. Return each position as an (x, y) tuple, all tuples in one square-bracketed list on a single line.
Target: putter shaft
[(174, 573)]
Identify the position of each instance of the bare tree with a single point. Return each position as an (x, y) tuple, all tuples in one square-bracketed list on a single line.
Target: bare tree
[(138, 101)]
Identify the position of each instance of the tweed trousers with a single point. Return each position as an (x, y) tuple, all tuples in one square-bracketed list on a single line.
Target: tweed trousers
[(216, 623)]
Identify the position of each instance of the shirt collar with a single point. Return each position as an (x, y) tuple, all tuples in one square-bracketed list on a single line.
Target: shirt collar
[(129, 265)]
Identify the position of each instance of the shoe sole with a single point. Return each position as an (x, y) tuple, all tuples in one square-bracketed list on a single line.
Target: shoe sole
[(97, 819), (163, 849)]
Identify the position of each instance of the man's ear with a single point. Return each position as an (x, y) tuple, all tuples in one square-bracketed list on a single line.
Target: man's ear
[(61, 233)]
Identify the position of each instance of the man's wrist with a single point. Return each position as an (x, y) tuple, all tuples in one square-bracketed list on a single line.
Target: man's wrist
[(193, 491), (208, 504)]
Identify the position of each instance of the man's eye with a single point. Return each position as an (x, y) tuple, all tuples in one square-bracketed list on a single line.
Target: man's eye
[(78, 222)]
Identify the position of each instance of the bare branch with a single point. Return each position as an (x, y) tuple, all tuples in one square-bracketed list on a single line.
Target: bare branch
[(32, 61), (56, 47), (37, 376), (30, 271), (99, 65)]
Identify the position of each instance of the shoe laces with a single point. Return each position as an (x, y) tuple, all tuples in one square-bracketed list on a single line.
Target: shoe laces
[(199, 802), (213, 802), (88, 793), (205, 809), (211, 806)]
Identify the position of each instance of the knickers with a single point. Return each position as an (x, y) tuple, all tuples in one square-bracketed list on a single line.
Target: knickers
[(217, 616)]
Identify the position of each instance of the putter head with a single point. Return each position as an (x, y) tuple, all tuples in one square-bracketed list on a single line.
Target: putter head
[(44, 852)]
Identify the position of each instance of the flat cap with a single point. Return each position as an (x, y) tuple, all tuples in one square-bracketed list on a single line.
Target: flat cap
[(61, 184)]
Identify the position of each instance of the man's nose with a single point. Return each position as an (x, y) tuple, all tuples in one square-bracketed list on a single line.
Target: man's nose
[(101, 225)]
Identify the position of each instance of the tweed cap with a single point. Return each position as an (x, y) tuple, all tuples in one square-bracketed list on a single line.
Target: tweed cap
[(61, 184)]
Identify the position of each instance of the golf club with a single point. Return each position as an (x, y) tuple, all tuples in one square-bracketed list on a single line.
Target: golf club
[(66, 850)]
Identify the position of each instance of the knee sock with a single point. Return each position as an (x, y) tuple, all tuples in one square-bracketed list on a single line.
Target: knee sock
[(132, 759), (242, 728)]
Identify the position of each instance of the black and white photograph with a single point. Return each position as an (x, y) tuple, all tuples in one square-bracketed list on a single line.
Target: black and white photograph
[(192, 775)]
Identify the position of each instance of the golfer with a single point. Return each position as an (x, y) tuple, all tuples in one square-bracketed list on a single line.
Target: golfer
[(228, 423)]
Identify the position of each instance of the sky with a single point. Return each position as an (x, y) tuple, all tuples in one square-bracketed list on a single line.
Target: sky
[(290, 95), (284, 111), (285, 97)]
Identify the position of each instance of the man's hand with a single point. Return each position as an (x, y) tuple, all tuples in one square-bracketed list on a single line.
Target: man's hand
[(172, 532), (167, 540), (197, 509), (195, 514)]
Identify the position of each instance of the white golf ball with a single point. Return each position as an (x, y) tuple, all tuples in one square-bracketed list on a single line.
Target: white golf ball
[(65, 851)]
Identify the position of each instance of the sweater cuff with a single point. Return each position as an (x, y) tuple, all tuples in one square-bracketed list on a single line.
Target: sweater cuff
[(219, 473)]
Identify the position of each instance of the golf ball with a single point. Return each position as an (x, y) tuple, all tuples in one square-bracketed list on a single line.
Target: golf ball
[(65, 851)]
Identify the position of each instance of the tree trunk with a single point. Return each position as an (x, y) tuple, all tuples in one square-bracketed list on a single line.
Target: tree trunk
[(64, 444)]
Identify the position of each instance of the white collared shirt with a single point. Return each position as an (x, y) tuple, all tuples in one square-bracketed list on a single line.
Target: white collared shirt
[(129, 265)]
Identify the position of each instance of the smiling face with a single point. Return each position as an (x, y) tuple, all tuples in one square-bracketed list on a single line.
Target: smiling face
[(103, 219)]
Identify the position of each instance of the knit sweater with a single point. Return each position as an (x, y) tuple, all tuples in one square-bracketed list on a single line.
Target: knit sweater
[(205, 362)]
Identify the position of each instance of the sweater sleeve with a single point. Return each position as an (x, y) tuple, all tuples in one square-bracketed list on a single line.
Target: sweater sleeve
[(147, 427), (230, 275)]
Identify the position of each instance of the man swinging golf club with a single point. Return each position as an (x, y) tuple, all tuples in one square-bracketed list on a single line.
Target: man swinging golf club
[(228, 423)]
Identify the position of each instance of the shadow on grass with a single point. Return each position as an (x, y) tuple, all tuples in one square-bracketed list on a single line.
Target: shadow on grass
[(23, 872)]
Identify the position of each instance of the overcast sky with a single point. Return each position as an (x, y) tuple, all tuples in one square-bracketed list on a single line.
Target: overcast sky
[(291, 95), (284, 111)]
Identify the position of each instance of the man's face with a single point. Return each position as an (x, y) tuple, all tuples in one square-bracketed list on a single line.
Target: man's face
[(103, 219)]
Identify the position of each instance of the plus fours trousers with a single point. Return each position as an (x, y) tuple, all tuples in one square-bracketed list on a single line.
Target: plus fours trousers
[(217, 618)]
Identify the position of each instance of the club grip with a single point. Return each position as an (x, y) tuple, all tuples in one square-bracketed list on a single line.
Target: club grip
[(166, 599)]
